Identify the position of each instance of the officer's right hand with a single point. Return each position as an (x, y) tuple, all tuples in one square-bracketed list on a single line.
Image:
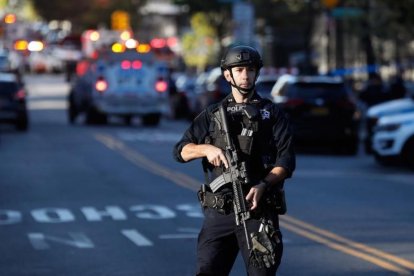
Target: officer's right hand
[(215, 156)]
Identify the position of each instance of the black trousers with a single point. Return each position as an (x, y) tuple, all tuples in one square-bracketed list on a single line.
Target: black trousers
[(220, 241)]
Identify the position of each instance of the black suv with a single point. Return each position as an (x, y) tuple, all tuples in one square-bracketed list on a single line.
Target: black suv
[(13, 101), (321, 109)]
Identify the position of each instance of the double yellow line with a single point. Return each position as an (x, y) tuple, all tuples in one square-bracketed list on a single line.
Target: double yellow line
[(336, 242), (329, 239)]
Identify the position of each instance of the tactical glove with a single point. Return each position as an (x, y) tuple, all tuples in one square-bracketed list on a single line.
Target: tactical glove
[(264, 242)]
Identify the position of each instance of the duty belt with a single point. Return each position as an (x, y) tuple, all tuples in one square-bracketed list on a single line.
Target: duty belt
[(223, 203)]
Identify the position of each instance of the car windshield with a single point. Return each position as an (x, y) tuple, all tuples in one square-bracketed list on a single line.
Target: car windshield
[(7, 88), (313, 90)]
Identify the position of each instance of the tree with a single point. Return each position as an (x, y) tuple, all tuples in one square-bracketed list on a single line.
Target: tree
[(200, 45)]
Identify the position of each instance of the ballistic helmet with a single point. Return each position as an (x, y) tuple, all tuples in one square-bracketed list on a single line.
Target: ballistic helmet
[(241, 56)]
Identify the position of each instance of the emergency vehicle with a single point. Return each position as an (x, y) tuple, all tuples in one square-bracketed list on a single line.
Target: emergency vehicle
[(125, 81)]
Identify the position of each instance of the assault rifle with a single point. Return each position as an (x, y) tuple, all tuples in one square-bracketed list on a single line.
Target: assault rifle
[(237, 175)]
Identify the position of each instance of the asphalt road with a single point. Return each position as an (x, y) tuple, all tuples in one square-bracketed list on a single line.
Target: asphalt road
[(110, 200)]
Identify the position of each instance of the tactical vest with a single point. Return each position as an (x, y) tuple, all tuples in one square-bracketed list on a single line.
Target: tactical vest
[(251, 130)]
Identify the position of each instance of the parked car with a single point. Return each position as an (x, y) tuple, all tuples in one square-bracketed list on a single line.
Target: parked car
[(374, 113), (68, 51), (182, 97), (13, 109), (124, 84), (393, 139), (211, 87), (5, 65), (321, 109), (44, 62), (264, 85)]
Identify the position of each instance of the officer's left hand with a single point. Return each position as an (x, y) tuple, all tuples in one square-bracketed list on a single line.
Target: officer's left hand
[(254, 195)]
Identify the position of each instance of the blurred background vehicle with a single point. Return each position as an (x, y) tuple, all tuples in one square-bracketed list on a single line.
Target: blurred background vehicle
[(199, 87), (68, 51), (393, 139), (264, 85), (211, 87), (5, 65), (124, 84), (374, 113), (44, 62), (321, 110), (13, 108), (181, 95)]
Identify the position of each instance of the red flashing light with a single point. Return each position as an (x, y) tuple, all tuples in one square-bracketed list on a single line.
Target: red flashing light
[(137, 64), (158, 43), (82, 68), (172, 41), (125, 64), (161, 86), (95, 55)]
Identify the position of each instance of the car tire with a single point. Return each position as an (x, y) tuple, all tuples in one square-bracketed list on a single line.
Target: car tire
[(352, 147), (94, 117), (72, 110), (345, 147), (407, 153), (152, 119), (22, 123), (385, 160), (179, 107), (128, 120)]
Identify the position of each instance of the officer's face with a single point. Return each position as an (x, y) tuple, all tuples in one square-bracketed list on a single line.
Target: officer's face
[(244, 76)]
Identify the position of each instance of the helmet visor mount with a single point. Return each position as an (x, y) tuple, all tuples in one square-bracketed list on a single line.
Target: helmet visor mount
[(241, 56)]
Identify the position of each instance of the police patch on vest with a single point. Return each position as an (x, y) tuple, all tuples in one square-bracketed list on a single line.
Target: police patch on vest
[(235, 108), (265, 114)]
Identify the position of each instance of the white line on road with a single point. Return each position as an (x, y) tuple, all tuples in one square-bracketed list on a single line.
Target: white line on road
[(136, 237)]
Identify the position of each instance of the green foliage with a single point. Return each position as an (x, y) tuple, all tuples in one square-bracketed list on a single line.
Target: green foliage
[(3, 3), (200, 45)]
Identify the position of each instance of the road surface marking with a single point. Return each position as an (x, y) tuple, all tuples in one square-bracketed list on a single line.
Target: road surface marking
[(136, 237), (345, 248), (349, 243), (372, 255), (145, 163)]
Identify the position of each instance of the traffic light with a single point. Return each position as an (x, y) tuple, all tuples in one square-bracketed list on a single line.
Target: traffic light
[(330, 3), (120, 20)]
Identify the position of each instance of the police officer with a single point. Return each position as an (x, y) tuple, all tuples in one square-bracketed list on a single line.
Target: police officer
[(261, 134)]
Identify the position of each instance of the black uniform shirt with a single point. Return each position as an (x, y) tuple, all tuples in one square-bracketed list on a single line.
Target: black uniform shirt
[(275, 119)]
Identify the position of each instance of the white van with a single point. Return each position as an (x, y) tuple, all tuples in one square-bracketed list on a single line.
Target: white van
[(394, 138), (124, 84)]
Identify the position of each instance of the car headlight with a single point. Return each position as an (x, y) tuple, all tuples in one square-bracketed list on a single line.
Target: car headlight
[(388, 127)]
